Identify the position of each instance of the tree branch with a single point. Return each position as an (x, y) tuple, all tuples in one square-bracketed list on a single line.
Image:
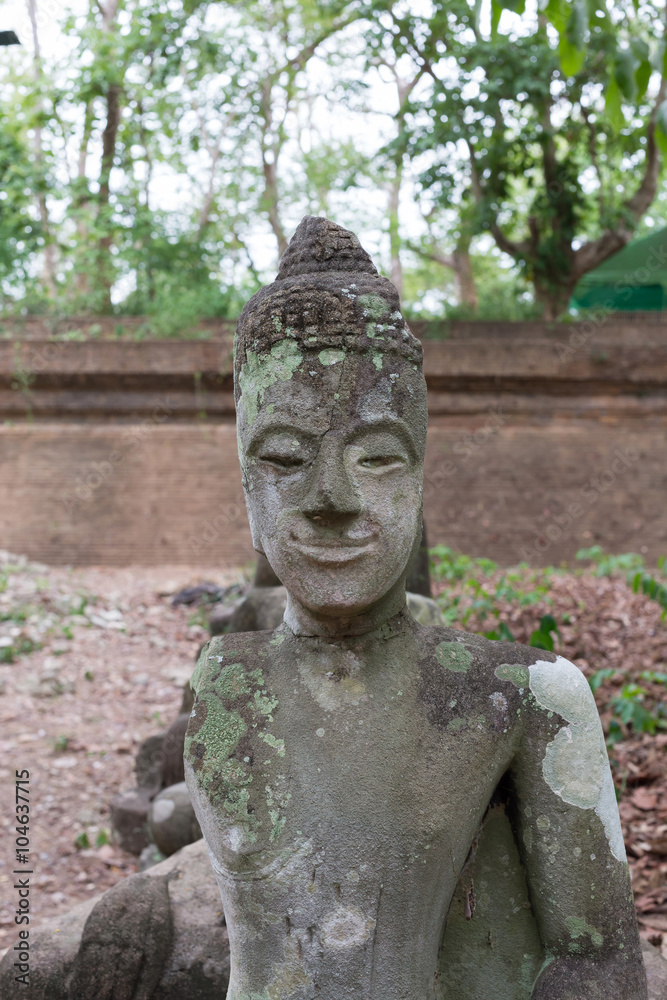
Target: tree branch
[(590, 255), (515, 248), (446, 260)]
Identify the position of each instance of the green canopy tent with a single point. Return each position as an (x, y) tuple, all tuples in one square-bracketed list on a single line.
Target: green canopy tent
[(632, 280)]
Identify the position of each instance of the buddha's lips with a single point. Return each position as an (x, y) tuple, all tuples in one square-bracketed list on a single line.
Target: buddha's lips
[(335, 551)]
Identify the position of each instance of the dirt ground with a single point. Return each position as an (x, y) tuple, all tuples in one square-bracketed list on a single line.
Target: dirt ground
[(109, 671)]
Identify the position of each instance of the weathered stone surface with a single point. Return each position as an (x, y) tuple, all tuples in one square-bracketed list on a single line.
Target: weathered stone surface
[(172, 821), (423, 609), (125, 943), (656, 972), (129, 819), (198, 966), (194, 967), (264, 607), (220, 617), (149, 763), (172, 770)]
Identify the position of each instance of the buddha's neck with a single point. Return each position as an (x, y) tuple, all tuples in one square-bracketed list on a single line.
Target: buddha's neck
[(303, 621)]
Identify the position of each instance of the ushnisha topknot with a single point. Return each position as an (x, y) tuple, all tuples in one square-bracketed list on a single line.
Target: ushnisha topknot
[(327, 294)]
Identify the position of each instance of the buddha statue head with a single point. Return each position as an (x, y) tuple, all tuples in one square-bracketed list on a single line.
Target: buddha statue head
[(331, 417)]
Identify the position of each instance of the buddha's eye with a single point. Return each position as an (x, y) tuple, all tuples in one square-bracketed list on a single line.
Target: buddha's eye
[(380, 461), (283, 452), (282, 461)]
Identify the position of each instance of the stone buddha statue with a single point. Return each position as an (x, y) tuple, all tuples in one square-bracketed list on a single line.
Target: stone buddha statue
[(392, 811)]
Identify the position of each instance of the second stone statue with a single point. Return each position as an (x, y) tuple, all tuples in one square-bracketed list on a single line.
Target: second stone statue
[(345, 766)]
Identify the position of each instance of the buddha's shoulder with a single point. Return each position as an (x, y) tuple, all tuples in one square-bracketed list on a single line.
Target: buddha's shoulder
[(448, 650), (235, 658)]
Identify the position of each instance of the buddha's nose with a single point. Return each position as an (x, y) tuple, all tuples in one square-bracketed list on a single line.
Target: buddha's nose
[(331, 491)]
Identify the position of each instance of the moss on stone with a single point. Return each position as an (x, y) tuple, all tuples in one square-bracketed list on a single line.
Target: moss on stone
[(578, 928), (331, 356), (261, 371), (517, 673), (453, 656)]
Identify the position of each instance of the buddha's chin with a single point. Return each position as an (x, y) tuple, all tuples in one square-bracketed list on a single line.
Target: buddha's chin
[(346, 599)]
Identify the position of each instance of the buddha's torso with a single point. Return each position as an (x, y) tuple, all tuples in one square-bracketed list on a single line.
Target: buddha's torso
[(340, 787)]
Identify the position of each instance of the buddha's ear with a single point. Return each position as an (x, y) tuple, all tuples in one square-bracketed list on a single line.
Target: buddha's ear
[(256, 536)]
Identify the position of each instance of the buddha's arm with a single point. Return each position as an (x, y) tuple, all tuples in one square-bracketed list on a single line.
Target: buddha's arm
[(572, 846)]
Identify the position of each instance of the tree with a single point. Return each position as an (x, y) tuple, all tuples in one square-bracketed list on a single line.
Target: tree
[(558, 175)]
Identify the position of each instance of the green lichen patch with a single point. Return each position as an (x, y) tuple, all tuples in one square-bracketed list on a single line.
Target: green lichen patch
[(331, 356), (200, 668), (374, 306), (233, 707), (261, 371), (273, 741), (578, 928), (453, 656), (377, 361), (517, 673)]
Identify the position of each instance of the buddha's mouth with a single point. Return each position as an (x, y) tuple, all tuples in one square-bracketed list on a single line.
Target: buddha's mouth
[(335, 552)]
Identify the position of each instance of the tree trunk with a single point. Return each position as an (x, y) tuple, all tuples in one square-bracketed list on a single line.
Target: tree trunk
[(465, 279), (49, 249), (105, 273), (394, 237), (81, 202), (272, 202), (553, 299)]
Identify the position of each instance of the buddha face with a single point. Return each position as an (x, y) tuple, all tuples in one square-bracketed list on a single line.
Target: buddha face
[(332, 446)]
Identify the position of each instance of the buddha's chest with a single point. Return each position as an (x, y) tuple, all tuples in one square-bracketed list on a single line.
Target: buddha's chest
[(324, 753)]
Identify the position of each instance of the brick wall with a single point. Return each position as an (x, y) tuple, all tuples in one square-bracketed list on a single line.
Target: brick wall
[(542, 439)]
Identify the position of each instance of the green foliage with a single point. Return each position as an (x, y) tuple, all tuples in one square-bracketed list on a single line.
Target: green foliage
[(481, 587), (632, 565), (20, 235), (597, 679), (653, 588), (155, 165), (82, 841), (606, 564), (631, 714), (543, 636), (451, 566), (515, 131), (20, 646), (60, 744), (502, 633)]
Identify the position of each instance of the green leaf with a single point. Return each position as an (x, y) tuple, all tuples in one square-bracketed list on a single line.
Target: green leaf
[(577, 25), (612, 105), (548, 624), (625, 67), (571, 58), (496, 11), (557, 12), (542, 640), (642, 77)]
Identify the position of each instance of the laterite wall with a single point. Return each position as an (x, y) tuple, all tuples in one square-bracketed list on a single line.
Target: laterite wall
[(542, 440)]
